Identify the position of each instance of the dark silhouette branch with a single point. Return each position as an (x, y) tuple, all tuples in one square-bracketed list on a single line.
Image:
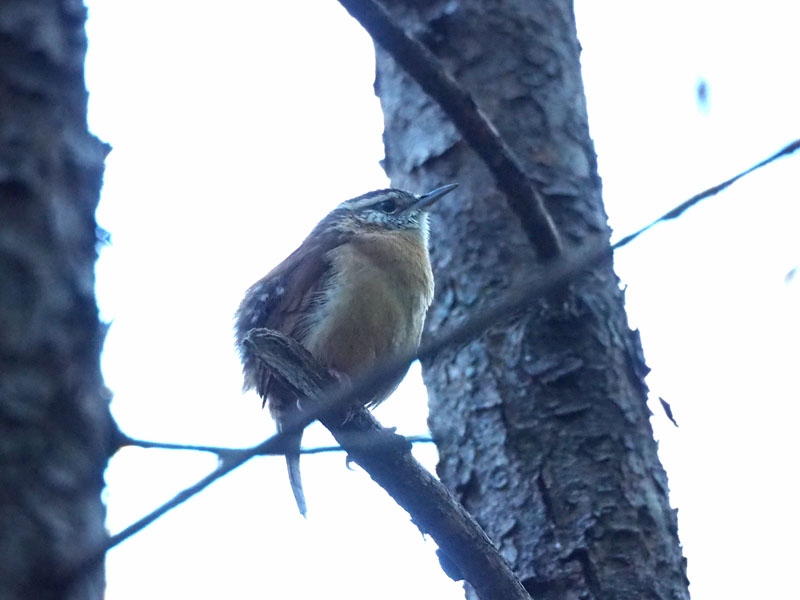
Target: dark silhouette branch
[(387, 458), (481, 135)]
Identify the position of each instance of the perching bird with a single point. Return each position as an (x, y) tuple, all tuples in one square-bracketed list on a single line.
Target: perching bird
[(354, 293)]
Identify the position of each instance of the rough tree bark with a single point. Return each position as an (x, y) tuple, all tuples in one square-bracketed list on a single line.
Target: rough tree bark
[(54, 420), (541, 424)]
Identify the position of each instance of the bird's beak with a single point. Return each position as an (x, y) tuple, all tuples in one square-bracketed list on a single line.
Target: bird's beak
[(425, 201)]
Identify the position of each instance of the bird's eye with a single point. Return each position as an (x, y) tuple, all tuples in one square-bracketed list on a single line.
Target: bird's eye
[(388, 206)]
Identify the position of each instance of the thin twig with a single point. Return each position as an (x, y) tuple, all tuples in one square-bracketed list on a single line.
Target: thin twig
[(712, 191), (481, 135), (223, 451)]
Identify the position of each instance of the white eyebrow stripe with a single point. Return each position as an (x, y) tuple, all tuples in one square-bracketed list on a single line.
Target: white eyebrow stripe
[(363, 202)]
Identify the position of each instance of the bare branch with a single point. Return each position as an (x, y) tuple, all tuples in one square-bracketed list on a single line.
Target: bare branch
[(481, 135), (387, 458), (712, 191), (223, 452)]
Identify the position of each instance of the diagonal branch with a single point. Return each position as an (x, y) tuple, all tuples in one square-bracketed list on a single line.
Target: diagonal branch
[(677, 211), (387, 458), (482, 136)]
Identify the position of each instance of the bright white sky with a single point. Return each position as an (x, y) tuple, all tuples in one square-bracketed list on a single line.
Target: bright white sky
[(235, 129)]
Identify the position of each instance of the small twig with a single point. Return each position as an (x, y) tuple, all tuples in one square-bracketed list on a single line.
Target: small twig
[(223, 451), (220, 451), (712, 191), (481, 135), (271, 445)]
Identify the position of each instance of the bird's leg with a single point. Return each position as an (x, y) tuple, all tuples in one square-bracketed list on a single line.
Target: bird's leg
[(341, 380)]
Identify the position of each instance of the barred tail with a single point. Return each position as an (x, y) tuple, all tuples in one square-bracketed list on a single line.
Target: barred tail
[(293, 466)]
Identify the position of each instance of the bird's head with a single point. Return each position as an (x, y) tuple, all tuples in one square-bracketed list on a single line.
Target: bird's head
[(389, 209)]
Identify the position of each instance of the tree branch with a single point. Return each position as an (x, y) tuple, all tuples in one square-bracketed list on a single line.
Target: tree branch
[(224, 452), (481, 135), (387, 458), (677, 211)]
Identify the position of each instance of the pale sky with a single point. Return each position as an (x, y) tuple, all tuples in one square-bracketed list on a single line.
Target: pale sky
[(236, 129)]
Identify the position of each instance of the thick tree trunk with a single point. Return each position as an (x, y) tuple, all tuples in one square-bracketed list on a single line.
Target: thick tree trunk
[(541, 424), (54, 419)]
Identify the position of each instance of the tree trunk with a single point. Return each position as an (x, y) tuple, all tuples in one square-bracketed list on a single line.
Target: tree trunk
[(542, 423), (54, 420)]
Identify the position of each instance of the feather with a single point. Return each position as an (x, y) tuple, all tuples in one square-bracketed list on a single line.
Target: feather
[(354, 293), (281, 301)]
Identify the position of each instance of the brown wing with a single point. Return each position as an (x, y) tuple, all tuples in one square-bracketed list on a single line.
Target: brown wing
[(281, 299)]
